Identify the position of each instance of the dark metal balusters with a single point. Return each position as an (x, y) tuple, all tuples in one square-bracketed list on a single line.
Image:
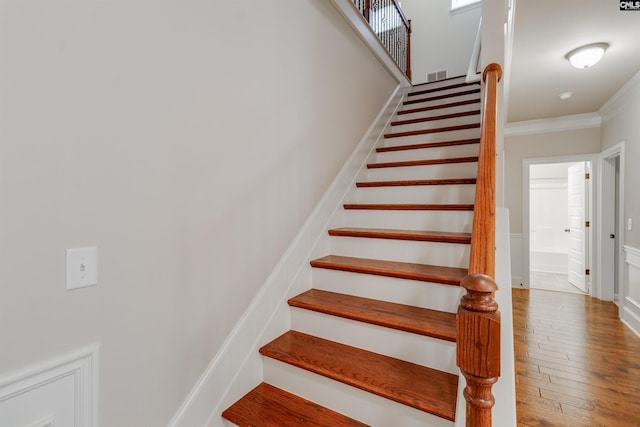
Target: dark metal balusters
[(391, 26)]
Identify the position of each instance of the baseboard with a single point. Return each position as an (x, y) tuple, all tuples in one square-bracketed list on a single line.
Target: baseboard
[(57, 392), (630, 315), (516, 282), (630, 310), (237, 367)]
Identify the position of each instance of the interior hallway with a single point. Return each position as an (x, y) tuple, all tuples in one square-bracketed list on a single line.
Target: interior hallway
[(576, 363)]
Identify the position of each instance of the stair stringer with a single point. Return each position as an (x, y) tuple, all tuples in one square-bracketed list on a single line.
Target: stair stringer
[(268, 315)]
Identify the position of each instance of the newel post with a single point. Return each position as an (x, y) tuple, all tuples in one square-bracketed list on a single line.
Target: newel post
[(478, 346)]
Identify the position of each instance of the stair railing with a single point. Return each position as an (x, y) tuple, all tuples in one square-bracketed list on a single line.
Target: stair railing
[(478, 318), (388, 22)]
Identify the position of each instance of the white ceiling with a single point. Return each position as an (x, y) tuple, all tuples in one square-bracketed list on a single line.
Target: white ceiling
[(544, 31)]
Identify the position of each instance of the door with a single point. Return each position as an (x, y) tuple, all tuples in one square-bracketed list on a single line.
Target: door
[(576, 201)]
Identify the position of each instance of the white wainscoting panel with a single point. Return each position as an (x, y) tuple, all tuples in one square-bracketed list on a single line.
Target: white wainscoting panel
[(515, 240), (61, 392), (630, 313)]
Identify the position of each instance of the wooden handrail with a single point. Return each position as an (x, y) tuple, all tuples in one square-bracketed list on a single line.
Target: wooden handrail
[(407, 23), (478, 318)]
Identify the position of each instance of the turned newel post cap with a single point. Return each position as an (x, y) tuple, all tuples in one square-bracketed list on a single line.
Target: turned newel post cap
[(492, 67), (480, 290)]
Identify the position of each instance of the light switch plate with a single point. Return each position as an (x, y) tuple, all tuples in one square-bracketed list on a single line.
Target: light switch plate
[(82, 267)]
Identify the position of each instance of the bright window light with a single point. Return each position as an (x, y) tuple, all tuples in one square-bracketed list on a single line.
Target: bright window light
[(457, 4)]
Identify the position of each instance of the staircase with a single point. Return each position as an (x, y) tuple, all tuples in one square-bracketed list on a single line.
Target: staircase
[(374, 339)]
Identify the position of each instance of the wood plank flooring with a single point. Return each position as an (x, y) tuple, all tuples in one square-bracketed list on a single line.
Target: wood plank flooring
[(576, 363)]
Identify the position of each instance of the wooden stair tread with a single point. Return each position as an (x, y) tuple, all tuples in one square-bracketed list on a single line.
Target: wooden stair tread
[(417, 235), (425, 162), (408, 207), (428, 145), (436, 89), (435, 118), (402, 270), (438, 97), (269, 406), (407, 383), (439, 106), (410, 182), (417, 320), (432, 130)]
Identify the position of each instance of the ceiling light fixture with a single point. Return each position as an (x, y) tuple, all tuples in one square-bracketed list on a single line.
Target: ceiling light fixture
[(565, 95), (587, 56)]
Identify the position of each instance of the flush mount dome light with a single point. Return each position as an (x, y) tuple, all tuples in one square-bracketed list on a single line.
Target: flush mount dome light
[(587, 56)]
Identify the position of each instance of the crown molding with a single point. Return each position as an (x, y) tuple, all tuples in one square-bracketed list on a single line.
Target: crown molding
[(631, 89), (553, 124)]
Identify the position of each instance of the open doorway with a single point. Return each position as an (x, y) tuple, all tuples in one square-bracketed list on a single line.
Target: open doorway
[(611, 225), (559, 238)]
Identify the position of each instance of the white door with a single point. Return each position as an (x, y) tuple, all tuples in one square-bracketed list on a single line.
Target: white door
[(577, 231)]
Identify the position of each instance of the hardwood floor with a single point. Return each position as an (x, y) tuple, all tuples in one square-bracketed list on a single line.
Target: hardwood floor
[(576, 363)]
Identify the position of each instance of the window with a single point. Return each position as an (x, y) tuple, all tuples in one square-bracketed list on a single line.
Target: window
[(462, 5)]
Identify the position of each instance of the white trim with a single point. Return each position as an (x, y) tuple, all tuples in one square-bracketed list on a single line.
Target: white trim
[(598, 289), (620, 98), (526, 231), (237, 366), (630, 310), (362, 28), (45, 422), (474, 62), (81, 364), (515, 243), (633, 256), (553, 124)]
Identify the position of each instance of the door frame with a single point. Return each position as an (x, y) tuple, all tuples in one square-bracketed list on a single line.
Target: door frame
[(591, 213), (604, 288)]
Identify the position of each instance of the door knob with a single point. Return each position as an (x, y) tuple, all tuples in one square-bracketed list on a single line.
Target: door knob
[(567, 230), (612, 236)]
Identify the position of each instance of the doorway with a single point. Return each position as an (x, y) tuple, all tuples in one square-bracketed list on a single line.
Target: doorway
[(611, 228), (557, 219)]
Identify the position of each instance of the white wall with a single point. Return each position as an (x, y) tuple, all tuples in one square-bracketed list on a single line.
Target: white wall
[(620, 123), (188, 141), (440, 40), (620, 117)]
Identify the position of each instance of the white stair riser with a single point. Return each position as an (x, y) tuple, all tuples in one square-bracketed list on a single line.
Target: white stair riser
[(436, 102), (434, 253), (439, 111), (434, 124), (459, 221), (433, 137), (438, 83), (465, 150), (438, 171), (463, 193), (350, 401), (402, 291), (422, 350)]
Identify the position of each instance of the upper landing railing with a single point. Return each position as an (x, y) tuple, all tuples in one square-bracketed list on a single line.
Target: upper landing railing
[(392, 28)]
